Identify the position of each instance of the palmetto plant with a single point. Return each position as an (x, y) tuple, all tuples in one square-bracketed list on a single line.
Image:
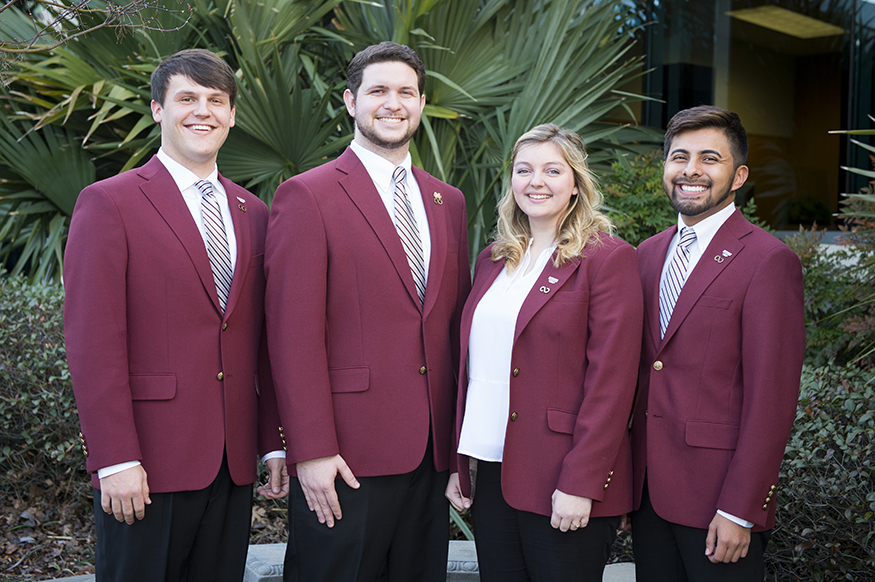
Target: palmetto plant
[(495, 69)]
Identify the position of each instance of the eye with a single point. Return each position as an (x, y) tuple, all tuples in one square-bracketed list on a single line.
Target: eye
[(553, 172), (520, 171)]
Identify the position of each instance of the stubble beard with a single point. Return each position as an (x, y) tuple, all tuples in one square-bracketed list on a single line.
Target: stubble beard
[(690, 208), (371, 135)]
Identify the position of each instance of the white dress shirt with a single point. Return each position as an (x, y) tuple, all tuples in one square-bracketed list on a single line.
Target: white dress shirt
[(380, 170), (489, 353), (705, 231)]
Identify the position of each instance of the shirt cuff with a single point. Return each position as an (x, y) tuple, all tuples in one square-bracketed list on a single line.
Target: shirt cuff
[(737, 520), (113, 469), (273, 455)]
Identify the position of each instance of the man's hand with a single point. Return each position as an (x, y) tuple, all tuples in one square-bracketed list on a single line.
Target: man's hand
[(454, 494), (570, 512), (727, 541), (625, 522), (125, 494), (316, 477), (277, 485)]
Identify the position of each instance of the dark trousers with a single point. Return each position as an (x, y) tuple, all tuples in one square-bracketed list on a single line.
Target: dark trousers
[(186, 536), (668, 552), (518, 546), (395, 528)]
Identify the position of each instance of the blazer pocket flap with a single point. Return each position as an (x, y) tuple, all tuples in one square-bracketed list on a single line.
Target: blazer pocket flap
[(349, 379), (153, 387), (717, 302), (711, 435), (561, 420)]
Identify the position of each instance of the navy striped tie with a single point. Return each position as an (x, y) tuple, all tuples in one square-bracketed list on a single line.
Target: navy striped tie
[(674, 278), (405, 223), (217, 241)]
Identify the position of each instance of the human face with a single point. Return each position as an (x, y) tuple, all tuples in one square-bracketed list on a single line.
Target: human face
[(699, 174), (387, 109), (194, 123), (542, 184)]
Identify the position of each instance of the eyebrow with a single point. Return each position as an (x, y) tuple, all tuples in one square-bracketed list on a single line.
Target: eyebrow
[(382, 86), (703, 152)]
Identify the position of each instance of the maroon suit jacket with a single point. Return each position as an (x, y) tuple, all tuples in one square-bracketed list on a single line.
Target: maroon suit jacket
[(575, 353), (146, 339), (717, 396), (361, 367)]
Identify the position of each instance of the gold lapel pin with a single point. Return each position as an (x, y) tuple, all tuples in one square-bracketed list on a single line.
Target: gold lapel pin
[(718, 258), (241, 207), (438, 199)]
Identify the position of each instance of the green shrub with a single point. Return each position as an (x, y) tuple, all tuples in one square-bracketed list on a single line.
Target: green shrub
[(826, 528), (39, 443)]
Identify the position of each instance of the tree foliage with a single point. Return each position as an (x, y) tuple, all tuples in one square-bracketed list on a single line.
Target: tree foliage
[(80, 111)]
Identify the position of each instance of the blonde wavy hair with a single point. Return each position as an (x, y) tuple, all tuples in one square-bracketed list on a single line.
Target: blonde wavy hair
[(582, 221)]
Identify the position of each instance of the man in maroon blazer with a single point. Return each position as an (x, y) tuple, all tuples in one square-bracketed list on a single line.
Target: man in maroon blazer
[(720, 366), (163, 321), (367, 272)]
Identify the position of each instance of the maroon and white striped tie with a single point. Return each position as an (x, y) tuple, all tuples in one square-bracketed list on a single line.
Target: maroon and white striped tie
[(674, 278), (217, 241), (405, 223)]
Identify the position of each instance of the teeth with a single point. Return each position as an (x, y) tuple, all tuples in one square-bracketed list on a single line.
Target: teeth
[(390, 120), (200, 127), (687, 188), (539, 196)]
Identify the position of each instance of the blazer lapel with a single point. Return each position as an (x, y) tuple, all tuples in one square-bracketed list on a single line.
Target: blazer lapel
[(162, 192), (651, 286), (710, 265), (549, 282), (359, 186), (243, 236), (437, 226)]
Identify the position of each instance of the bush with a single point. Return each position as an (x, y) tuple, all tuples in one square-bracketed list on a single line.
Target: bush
[(826, 528), (39, 442)]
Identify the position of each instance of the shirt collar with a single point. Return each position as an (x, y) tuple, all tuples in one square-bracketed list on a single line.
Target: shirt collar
[(184, 177), (707, 227), (379, 168)]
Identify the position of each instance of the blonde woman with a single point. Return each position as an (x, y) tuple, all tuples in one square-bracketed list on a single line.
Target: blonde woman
[(551, 335)]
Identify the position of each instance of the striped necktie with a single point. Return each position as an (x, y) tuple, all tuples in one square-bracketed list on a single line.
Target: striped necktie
[(217, 241), (405, 223), (674, 278)]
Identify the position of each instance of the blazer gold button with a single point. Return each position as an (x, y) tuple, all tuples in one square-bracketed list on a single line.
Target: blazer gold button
[(516, 372), (224, 326), (657, 365), (772, 488), (766, 507), (513, 416), (422, 370), (606, 486), (219, 376)]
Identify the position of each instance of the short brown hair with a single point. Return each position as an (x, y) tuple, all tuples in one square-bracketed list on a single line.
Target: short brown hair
[(708, 117), (385, 52), (199, 65)]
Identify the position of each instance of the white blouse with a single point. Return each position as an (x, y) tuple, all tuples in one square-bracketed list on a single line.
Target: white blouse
[(489, 353)]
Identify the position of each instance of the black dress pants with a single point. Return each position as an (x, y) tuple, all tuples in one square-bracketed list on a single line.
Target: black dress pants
[(668, 552), (395, 528), (185, 536), (519, 546)]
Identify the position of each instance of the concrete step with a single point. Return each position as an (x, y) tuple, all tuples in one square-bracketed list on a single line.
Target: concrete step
[(265, 564)]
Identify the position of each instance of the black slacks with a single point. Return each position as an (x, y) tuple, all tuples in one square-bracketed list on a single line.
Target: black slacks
[(395, 528), (185, 536), (668, 552), (519, 546)]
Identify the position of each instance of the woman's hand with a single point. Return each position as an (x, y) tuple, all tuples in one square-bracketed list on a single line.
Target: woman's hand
[(454, 494), (570, 512)]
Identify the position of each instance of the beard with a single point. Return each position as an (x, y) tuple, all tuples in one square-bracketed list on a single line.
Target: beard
[(694, 208), (374, 138)]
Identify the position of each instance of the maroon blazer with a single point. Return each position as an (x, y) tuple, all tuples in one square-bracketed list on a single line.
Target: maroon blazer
[(361, 367), (717, 396), (572, 381), (155, 364)]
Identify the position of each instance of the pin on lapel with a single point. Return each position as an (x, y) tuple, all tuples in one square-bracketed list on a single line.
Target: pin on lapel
[(726, 253), (241, 207), (718, 258), (438, 199), (241, 200), (552, 280), (544, 289)]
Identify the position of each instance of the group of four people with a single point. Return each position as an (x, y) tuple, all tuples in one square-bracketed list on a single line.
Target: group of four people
[(339, 335)]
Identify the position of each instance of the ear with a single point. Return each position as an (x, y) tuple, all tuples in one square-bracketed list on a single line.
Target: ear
[(233, 116), (421, 104), (156, 111), (349, 99), (741, 173)]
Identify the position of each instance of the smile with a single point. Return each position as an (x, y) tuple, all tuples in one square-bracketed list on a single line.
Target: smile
[(691, 189), (200, 127), (538, 196), (392, 120)]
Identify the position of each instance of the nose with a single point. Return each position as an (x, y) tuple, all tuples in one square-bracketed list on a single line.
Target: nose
[(692, 168), (201, 109), (392, 102), (537, 178)]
